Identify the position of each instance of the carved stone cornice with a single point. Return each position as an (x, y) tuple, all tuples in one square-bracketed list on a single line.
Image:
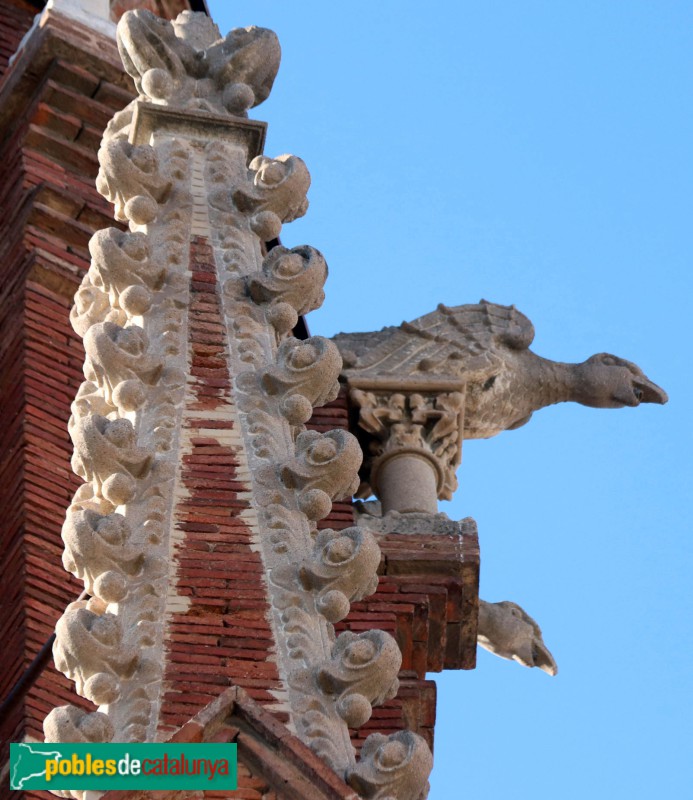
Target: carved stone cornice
[(422, 419)]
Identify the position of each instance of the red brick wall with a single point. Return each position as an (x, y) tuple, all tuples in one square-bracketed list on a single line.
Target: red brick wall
[(16, 18), (224, 638), (49, 208), (426, 598)]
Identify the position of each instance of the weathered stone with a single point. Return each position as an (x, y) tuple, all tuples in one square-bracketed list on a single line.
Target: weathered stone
[(132, 179), (395, 766), (322, 470), (291, 283), (99, 551), (343, 569), (184, 169), (305, 375), (362, 672), (401, 379), (89, 649), (71, 724), (486, 347), (120, 364), (506, 630), (187, 64)]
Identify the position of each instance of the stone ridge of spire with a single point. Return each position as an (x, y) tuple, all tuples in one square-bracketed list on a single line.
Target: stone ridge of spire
[(181, 165)]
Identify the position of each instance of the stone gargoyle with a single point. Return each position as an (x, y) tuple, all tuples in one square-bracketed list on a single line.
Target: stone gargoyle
[(507, 631), (480, 353), (487, 346)]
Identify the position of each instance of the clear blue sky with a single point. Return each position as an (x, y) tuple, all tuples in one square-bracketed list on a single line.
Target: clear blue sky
[(536, 153)]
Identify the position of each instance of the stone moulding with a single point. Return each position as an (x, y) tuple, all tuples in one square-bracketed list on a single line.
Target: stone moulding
[(182, 163), (148, 119)]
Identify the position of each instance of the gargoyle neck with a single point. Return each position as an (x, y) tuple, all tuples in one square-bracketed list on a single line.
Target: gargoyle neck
[(558, 382)]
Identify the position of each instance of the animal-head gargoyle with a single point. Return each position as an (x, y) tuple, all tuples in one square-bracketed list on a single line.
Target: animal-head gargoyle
[(486, 346), (507, 631), (403, 380), (606, 381)]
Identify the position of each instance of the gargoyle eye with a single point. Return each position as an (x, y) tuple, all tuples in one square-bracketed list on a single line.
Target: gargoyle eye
[(608, 361)]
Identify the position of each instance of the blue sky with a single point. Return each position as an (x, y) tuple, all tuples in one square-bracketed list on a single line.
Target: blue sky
[(536, 153)]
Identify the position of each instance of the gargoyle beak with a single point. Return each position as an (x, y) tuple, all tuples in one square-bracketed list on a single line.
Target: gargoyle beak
[(544, 660), (649, 392)]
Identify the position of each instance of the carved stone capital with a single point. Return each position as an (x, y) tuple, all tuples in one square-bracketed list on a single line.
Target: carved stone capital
[(425, 423)]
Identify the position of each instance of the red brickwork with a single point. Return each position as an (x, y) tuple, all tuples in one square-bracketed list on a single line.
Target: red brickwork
[(49, 208), (223, 638), (273, 764), (427, 599), (54, 102), (16, 18)]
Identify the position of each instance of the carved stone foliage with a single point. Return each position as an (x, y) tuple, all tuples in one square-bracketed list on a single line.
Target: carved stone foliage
[(275, 193), (394, 767), (186, 63), (296, 473), (98, 549), (362, 673), (72, 724), (429, 424), (341, 569), (123, 268), (270, 192), (130, 310), (89, 649), (170, 184), (120, 364), (131, 177), (291, 283), (359, 672), (323, 469), (107, 455), (305, 374)]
